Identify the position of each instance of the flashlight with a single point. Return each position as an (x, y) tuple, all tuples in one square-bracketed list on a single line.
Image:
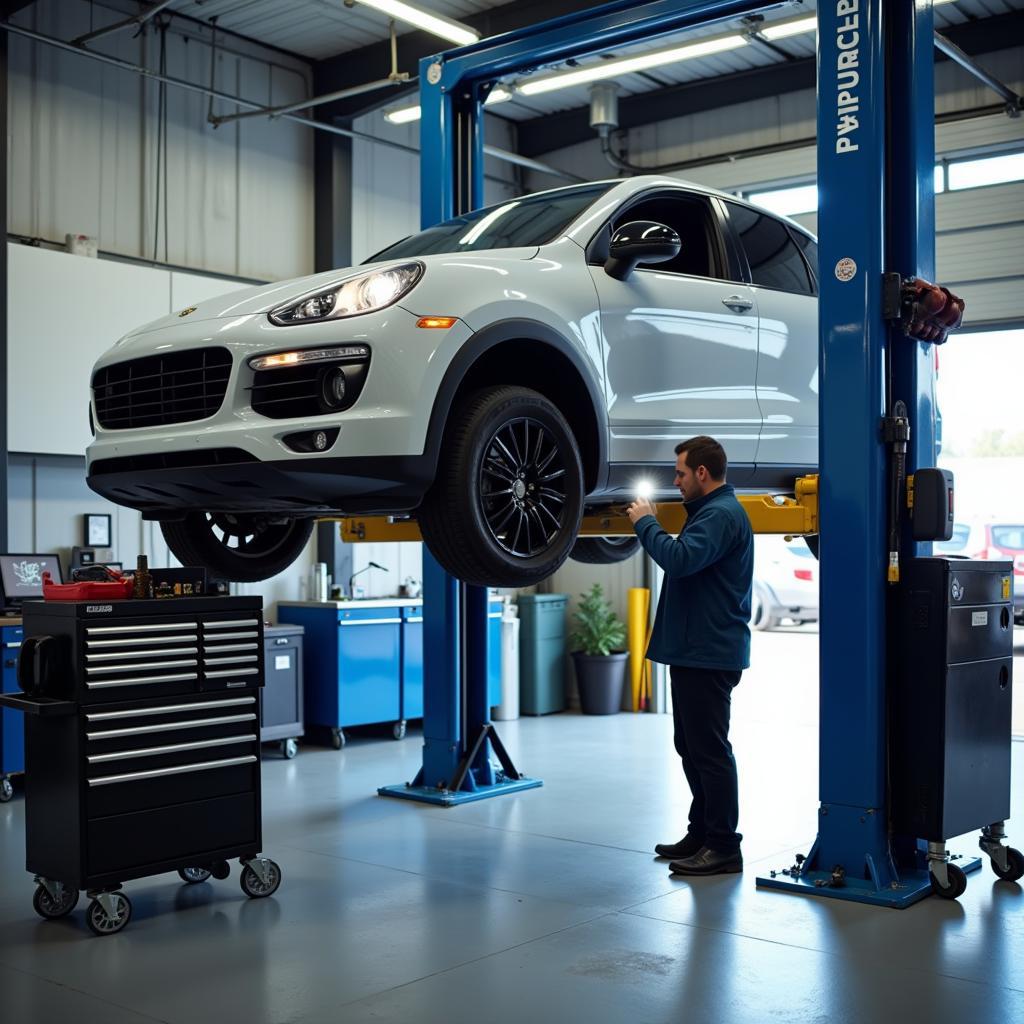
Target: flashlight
[(644, 489)]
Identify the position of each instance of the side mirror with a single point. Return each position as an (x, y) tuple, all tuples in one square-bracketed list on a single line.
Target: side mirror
[(641, 241)]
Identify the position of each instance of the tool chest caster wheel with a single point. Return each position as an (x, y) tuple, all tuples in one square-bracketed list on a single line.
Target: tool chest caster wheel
[(289, 748), (1014, 866), (109, 913), (220, 870), (957, 884), (337, 739), (194, 875), (398, 730), (51, 906), (6, 790), (260, 878)]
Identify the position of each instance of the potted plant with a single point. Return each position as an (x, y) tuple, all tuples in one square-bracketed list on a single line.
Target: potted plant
[(597, 654)]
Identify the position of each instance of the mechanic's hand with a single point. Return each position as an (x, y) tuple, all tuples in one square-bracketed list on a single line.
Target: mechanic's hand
[(640, 508)]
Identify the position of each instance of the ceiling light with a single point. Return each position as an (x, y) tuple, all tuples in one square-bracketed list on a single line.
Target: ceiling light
[(630, 65), (453, 31), (403, 115)]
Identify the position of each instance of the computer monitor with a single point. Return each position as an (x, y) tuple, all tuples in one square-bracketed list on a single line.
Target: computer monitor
[(21, 576)]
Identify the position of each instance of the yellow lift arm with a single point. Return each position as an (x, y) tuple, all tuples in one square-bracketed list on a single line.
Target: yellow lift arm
[(769, 513)]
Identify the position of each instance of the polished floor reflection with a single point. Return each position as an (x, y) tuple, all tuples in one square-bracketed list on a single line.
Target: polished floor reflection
[(544, 906)]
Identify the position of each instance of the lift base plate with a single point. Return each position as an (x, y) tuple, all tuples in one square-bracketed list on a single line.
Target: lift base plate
[(448, 798)]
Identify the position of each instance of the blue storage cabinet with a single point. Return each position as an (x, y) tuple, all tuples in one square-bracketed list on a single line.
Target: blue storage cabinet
[(352, 662), (12, 731)]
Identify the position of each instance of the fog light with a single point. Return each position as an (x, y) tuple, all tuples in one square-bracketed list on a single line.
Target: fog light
[(320, 441), (335, 386), (312, 440)]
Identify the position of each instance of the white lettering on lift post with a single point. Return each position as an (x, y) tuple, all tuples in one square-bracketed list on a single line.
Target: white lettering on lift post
[(847, 75)]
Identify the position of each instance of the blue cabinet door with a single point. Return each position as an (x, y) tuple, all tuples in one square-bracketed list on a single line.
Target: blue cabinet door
[(12, 729), (369, 666), (494, 653), (412, 663)]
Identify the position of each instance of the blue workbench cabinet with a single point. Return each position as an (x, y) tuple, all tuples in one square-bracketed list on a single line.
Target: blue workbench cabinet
[(12, 733)]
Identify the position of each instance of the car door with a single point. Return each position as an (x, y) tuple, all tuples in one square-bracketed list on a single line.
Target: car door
[(782, 269), (679, 341)]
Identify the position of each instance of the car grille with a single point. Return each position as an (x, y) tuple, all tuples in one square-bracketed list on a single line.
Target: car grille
[(156, 390)]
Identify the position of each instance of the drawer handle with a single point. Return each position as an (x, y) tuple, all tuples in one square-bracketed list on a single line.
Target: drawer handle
[(169, 709), (368, 622), (185, 638), (414, 618), (221, 672), (238, 659), (209, 648), (156, 773), (494, 615), (153, 627), (100, 684), (13, 643), (143, 730), (166, 652), (248, 635), (230, 622), (174, 748), (95, 670)]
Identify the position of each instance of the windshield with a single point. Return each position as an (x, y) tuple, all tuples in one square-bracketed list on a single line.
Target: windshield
[(532, 220)]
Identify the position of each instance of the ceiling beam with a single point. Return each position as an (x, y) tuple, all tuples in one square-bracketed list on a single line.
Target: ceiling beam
[(374, 61), (569, 127)]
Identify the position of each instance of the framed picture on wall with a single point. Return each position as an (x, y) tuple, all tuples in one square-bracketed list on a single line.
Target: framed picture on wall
[(97, 530)]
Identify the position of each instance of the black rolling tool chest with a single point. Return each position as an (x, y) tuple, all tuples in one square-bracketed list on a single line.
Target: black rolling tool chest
[(142, 743)]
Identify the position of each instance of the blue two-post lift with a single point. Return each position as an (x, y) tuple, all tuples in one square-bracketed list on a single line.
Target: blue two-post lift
[(876, 215)]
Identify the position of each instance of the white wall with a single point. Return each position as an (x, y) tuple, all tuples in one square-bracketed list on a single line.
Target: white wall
[(83, 149)]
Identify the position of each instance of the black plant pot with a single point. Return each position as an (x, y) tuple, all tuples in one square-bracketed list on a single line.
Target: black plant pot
[(600, 679)]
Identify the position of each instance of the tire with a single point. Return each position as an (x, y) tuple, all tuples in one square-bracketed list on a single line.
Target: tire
[(1014, 866), (244, 549), (504, 436), (760, 617), (96, 916), (194, 875), (254, 888), (220, 870), (604, 550), (48, 908), (957, 884)]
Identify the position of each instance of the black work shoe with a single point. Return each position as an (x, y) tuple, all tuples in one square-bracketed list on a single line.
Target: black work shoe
[(686, 847), (708, 862)]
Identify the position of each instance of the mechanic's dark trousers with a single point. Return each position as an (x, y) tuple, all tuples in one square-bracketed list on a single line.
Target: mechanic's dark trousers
[(701, 702)]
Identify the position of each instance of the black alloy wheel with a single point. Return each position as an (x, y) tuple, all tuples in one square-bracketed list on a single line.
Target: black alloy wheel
[(507, 501), (238, 547)]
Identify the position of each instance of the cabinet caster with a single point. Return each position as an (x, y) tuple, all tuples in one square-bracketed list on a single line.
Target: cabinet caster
[(337, 739), (52, 900), (220, 870), (260, 878), (1014, 866), (109, 912), (956, 883), (289, 748), (398, 730), (194, 875), (6, 790)]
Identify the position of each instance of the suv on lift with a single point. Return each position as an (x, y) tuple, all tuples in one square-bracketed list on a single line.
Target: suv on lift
[(493, 376)]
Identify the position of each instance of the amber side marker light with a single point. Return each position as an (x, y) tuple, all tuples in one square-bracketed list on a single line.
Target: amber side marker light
[(442, 322)]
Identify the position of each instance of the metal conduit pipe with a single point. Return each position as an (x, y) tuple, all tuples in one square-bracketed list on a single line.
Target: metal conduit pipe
[(217, 94), (1014, 103)]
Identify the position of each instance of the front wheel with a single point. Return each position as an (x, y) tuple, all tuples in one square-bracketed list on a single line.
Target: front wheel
[(241, 548), (505, 508)]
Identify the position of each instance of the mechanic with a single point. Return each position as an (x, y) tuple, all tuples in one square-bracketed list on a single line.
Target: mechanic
[(701, 633)]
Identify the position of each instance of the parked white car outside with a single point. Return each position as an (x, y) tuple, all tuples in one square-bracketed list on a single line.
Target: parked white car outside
[(785, 583)]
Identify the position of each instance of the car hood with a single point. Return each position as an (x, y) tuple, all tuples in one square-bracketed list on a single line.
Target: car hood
[(263, 298)]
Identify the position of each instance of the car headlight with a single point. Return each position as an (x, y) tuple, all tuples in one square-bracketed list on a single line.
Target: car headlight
[(358, 295)]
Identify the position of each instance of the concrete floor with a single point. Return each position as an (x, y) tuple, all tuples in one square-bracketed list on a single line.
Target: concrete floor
[(543, 906)]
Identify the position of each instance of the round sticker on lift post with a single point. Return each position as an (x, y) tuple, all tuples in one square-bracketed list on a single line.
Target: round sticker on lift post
[(846, 269)]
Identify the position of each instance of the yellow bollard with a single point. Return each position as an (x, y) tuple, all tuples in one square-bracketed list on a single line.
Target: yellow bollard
[(637, 609)]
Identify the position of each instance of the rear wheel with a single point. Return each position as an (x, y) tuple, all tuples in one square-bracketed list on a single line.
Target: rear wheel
[(242, 548), (506, 506), (604, 550), (761, 616)]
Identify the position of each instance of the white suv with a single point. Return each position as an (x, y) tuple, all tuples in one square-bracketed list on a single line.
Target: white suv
[(493, 376)]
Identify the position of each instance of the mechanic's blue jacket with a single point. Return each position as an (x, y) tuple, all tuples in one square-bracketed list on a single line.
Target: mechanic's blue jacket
[(704, 607)]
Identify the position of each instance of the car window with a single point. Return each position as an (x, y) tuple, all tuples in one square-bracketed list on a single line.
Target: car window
[(1009, 538), (532, 220), (691, 218), (956, 543), (774, 259)]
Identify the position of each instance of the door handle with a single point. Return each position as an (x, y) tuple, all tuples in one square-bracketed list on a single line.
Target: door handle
[(738, 302)]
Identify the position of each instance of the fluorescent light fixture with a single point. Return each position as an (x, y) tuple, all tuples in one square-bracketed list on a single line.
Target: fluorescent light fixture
[(785, 29), (630, 65), (403, 115), (453, 31)]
